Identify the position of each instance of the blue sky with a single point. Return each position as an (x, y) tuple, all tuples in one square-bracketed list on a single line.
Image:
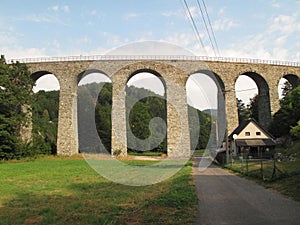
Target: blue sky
[(264, 29)]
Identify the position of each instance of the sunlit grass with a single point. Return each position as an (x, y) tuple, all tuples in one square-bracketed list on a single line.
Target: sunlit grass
[(59, 190)]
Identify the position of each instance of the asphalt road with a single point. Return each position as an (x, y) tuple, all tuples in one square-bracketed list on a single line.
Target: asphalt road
[(227, 199)]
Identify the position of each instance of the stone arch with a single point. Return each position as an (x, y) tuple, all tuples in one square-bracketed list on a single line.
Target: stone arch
[(38, 74), (293, 79), (88, 72), (218, 125), (156, 139), (151, 71), (177, 119), (89, 130), (50, 114), (264, 107)]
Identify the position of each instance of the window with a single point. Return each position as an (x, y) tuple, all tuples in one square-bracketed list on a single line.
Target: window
[(247, 133), (258, 133)]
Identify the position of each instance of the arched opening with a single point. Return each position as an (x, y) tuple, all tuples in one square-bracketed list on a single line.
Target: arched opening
[(206, 110), (252, 90), (286, 84), (246, 92), (146, 113), (94, 105), (45, 112)]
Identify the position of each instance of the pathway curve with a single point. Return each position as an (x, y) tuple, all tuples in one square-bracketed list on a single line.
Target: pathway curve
[(228, 199)]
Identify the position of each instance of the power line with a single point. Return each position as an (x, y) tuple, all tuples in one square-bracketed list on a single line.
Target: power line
[(250, 89), (206, 27), (212, 30), (194, 24)]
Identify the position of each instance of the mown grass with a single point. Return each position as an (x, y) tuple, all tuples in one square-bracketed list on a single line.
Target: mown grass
[(57, 190)]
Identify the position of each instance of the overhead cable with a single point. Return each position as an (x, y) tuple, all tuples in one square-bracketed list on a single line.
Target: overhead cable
[(206, 27), (194, 24), (211, 28)]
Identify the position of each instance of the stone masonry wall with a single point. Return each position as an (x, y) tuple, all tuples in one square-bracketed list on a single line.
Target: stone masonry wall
[(175, 73)]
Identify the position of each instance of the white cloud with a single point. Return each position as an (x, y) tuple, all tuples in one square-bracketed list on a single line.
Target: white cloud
[(66, 8), (171, 13), (6, 37), (58, 8), (285, 23), (276, 5), (281, 40), (43, 18), (131, 15), (55, 8), (274, 43), (55, 43), (17, 52), (223, 24), (93, 12)]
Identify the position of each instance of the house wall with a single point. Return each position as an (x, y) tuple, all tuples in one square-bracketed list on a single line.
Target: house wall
[(252, 128)]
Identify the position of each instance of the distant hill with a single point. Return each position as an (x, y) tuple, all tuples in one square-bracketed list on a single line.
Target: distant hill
[(212, 112)]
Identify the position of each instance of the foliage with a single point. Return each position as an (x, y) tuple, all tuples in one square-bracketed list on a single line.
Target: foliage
[(288, 115), (243, 111), (45, 121), (94, 108), (140, 112), (249, 111), (253, 107), (295, 131), (199, 136), (15, 95), (287, 88)]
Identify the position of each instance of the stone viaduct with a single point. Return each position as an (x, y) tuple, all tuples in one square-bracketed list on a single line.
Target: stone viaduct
[(174, 72)]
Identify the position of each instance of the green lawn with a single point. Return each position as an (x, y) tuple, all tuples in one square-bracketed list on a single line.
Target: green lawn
[(57, 190)]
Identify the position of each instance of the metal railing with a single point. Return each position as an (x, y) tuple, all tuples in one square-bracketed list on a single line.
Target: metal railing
[(154, 57)]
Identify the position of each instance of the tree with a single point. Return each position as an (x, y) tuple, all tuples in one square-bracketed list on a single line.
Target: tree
[(287, 88), (288, 114), (45, 121), (253, 107), (15, 92), (295, 131), (243, 111)]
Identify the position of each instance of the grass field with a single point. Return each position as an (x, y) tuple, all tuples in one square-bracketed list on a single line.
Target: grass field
[(61, 190), (287, 180)]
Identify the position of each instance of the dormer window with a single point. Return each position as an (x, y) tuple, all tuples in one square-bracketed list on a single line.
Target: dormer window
[(258, 133)]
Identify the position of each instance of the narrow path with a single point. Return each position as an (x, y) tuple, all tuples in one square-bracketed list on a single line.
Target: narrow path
[(228, 199)]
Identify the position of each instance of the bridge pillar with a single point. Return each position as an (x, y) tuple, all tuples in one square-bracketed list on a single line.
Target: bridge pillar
[(67, 133), (118, 119), (178, 135), (264, 113), (231, 108), (274, 95)]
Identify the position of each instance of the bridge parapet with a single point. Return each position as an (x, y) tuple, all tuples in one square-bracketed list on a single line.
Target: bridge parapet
[(155, 57)]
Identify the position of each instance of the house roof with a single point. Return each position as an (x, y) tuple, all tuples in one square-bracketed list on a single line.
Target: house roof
[(244, 124), (255, 142)]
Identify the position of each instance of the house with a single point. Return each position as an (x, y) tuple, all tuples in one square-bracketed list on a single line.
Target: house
[(250, 140)]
